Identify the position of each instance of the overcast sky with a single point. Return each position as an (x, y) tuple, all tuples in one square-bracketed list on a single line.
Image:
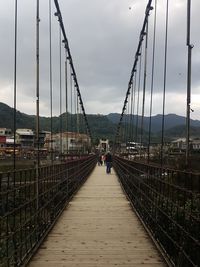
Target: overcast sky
[(103, 36)]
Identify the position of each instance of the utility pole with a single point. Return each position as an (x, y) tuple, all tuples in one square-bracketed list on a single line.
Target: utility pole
[(15, 86), (37, 104), (190, 46), (66, 98)]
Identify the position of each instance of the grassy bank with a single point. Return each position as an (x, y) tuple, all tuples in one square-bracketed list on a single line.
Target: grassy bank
[(7, 165)]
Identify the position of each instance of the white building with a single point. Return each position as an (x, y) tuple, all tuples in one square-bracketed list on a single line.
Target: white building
[(68, 142), (25, 137), (5, 132), (103, 145), (180, 143)]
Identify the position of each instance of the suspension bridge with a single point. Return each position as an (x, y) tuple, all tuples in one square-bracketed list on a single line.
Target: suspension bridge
[(66, 210)]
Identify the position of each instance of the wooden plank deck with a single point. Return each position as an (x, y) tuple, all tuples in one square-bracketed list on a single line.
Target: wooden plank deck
[(98, 229)]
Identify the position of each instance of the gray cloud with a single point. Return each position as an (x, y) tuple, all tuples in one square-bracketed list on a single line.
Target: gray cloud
[(103, 37)]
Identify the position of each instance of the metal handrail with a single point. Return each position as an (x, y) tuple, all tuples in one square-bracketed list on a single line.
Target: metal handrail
[(22, 225), (168, 202)]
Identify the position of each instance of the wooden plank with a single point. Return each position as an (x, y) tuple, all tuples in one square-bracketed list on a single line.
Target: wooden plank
[(97, 229), (88, 264)]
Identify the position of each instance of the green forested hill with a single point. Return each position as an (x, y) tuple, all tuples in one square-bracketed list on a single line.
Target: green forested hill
[(102, 126), (6, 118)]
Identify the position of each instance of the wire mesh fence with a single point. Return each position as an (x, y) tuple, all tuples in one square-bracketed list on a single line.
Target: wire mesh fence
[(168, 202), (25, 215)]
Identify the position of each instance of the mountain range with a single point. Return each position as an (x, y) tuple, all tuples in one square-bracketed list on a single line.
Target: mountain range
[(102, 126), (171, 121)]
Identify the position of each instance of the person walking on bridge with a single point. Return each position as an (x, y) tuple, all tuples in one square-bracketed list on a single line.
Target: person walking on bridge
[(108, 162)]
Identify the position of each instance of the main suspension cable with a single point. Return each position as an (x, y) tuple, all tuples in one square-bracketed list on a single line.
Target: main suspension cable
[(142, 34), (65, 41)]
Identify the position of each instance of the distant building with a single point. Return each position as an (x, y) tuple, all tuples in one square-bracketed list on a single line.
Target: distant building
[(25, 137), (132, 147), (196, 144), (2, 141), (5, 132), (68, 142), (42, 136), (7, 147), (103, 145), (180, 144), (10, 142), (24, 143)]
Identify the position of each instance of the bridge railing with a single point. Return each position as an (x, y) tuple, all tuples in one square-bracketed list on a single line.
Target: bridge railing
[(27, 216), (168, 202)]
